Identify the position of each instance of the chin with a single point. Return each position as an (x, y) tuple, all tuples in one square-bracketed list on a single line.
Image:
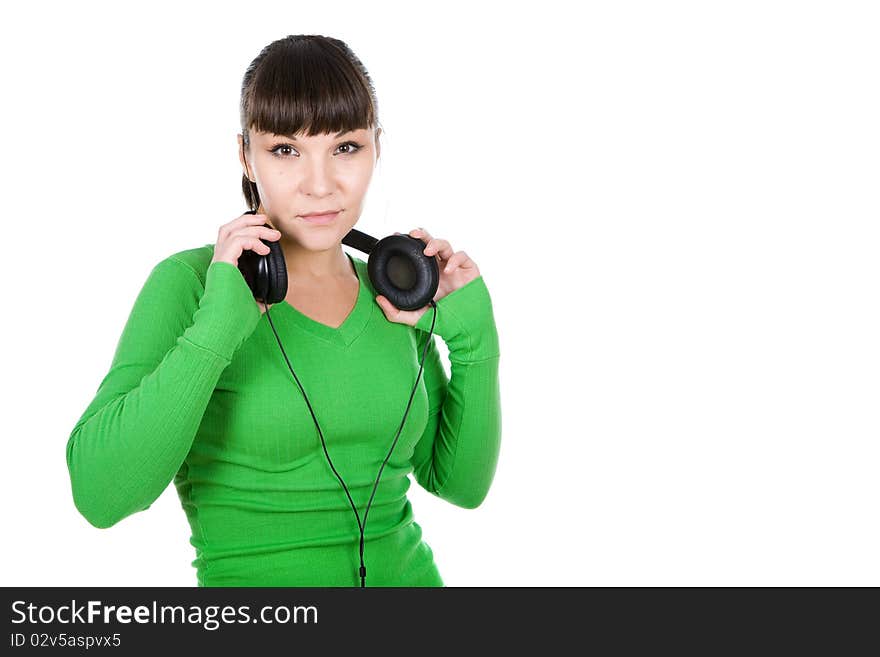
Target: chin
[(319, 238)]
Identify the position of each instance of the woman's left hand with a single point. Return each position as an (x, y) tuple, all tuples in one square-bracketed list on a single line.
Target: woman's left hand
[(456, 270)]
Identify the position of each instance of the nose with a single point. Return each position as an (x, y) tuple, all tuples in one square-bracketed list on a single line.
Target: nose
[(319, 177)]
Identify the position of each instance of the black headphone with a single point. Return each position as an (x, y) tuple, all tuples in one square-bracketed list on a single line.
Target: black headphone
[(397, 265), (398, 268)]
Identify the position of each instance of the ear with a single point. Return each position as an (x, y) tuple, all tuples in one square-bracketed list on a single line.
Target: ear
[(242, 158)]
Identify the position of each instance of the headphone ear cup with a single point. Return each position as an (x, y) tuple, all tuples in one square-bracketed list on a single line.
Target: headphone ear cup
[(277, 271), (266, 275), (401, 272)]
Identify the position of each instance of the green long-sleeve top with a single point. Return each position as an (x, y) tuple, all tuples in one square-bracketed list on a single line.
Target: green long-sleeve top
[(199, 393)]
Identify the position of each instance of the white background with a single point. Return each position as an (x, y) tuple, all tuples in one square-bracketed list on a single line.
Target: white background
[(674, 206)]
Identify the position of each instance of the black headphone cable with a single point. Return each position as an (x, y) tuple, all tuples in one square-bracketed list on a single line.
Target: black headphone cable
[(361, 525)]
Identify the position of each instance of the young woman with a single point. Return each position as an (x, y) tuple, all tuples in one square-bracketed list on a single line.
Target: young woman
[(200, 394)]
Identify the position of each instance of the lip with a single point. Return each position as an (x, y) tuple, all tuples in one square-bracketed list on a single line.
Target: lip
[(320, 218)]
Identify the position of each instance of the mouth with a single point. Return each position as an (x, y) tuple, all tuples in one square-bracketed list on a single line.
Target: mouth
[(319, 218)]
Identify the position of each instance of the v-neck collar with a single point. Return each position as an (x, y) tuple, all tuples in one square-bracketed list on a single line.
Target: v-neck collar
[(353, 325)]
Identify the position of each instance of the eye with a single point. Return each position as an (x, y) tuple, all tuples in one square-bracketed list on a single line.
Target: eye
[(276, 150), (356, 146)]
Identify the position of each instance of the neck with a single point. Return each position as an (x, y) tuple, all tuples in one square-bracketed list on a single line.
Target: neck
[(304, 264)]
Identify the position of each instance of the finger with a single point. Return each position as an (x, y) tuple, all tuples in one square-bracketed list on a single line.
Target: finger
[(421, 234), (459, 259), (261, 231), (395, 314), (390, 310), (437, 246), (254, 244), (248, 220), (241, 222)]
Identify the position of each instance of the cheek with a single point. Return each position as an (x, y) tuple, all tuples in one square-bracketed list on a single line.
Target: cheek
[(357, 179), (274, 181)]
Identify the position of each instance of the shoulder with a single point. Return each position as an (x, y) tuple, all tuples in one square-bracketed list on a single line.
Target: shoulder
[(192, 263), (195, 262)]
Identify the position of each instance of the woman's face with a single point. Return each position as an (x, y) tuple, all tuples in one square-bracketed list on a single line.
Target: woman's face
[(297, 175)]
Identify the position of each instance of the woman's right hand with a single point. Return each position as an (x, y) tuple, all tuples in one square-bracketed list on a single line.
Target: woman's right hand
[(242, 233)]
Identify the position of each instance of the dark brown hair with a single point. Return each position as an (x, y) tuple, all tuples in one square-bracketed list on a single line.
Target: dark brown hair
[(305, 83)]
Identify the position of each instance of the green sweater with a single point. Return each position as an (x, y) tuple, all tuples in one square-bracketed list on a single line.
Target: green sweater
[(199, 393)]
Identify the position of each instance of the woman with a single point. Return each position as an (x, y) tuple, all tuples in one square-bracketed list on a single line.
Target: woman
[(199, 393)]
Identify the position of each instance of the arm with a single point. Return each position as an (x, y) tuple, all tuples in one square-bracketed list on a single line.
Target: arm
[(135, 434), (456, 456)]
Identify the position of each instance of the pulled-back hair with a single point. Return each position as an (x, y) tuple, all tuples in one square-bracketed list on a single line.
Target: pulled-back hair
[(305, 83)]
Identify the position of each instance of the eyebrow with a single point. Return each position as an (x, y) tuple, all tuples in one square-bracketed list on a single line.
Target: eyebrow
[(336, 136)]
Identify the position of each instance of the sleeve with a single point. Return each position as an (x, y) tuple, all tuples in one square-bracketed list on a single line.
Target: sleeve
[(135, 434), (456, 456)]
